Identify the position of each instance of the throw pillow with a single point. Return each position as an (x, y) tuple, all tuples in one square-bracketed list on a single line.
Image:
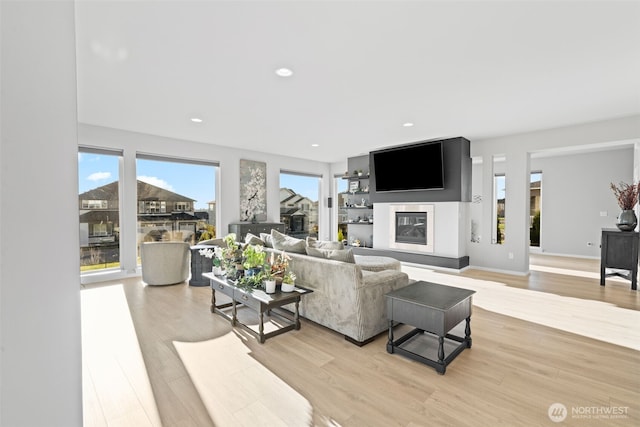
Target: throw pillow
[(252, 239), (266, 238), (312, 242), (344, 255), (282, 242)]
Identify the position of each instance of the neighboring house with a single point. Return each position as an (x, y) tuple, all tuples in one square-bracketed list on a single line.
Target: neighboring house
[(162, 215), (298, 213)]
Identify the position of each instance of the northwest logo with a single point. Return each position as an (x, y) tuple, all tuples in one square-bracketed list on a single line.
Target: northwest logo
[(557, 412)]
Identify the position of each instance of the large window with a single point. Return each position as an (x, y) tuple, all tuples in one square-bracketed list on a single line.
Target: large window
[(99, 208), (176, 199), (299, 204)]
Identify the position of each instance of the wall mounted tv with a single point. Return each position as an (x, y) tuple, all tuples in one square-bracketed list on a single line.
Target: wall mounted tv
[(409, 168)]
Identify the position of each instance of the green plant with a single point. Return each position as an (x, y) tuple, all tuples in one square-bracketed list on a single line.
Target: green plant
[(230, 241), (208, 233), (249, 283), (254, 256), (266, 273), (340, 235), (289, 277), (626, 194)]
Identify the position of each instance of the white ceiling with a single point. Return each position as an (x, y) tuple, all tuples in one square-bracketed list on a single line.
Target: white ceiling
[(477, 69)]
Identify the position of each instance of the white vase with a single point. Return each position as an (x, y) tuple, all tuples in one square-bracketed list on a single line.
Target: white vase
[(288, 287), (270, 286)]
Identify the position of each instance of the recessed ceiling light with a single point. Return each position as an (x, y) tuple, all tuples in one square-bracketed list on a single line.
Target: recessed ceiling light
[(315, 145), (407, 124), (284, 72), (196, 120)]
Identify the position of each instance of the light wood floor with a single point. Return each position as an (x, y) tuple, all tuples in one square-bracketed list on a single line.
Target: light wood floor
[(156, 356)]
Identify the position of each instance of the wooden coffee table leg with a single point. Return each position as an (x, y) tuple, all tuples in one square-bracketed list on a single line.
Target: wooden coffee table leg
[(467, 332), (261, 328), (441, 350), (296, 315), (234, 317), (213, 300), (390, 342)]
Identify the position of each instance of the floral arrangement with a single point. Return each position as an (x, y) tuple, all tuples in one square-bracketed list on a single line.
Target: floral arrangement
[(626, 194), (279, 264), (214, 254)]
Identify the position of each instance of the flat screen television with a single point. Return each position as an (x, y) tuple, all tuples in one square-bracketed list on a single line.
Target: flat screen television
[(409, 168)]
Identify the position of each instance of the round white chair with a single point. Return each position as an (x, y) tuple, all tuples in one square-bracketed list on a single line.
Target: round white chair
[(164, 263)]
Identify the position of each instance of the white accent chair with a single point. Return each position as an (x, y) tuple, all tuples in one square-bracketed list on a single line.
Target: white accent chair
[(164, 263)]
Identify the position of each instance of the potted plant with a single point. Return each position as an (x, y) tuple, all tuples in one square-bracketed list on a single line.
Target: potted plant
[(232, 256), (627, 197), (249, 283), (253, 258), (215, 255), (269, 279), (288, 281), (279, 265)]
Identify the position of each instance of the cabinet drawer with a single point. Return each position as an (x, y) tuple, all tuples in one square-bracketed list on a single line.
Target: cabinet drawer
[(245, 298), (218, 287)]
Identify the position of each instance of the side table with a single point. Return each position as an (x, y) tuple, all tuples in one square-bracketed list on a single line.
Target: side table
[(619, 250), (434, 310), (199, 265)]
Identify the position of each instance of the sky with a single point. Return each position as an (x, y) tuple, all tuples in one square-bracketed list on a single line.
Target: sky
[(193, 181)]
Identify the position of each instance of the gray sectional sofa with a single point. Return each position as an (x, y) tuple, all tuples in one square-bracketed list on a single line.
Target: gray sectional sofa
[(347, 297)]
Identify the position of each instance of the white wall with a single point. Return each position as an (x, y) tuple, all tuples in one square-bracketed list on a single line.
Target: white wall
[(575, 191), (41, 368), (513, 255)]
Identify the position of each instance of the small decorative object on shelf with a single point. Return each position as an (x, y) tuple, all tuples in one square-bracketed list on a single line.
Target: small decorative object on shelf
[(627, 196)]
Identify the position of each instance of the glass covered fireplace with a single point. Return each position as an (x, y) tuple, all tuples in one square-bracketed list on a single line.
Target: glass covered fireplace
[(411, 227)]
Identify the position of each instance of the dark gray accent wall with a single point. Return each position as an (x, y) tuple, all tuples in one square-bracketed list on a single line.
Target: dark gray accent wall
[(457, 177)]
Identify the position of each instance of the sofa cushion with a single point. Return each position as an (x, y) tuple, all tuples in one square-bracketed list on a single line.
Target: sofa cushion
[(377, 263), (266, 238), (344, 255), (312, 242), (282, 242), (213, 242), (252, 239)]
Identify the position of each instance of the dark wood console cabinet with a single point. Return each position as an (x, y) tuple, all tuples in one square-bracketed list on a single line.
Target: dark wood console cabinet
[(619, 250)]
